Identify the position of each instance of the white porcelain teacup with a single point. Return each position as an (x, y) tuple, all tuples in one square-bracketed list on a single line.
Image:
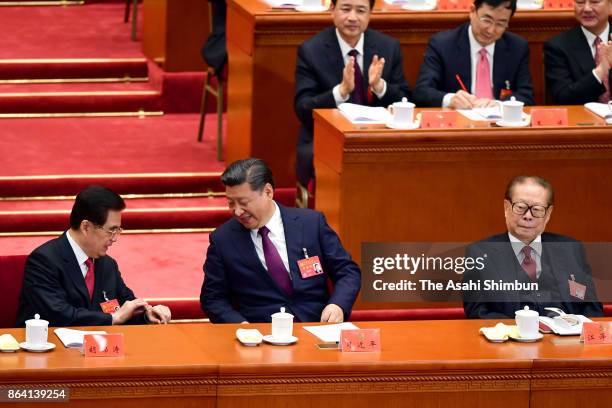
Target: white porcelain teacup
[(402, 113), (511, 110), (282, 325), (528, 322), (37, 332)]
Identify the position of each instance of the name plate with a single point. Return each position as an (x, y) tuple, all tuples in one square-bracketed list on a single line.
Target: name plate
[(559, 4), (103, 345), (548, 117), (360, 340), (438, 119), (596, 333)]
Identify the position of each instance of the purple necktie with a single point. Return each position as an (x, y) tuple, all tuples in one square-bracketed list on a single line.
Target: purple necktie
[(275, 265), (358, 94)]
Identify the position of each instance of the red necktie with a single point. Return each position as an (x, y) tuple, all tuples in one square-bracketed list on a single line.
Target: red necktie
[(358, 94), (89, 277), (274, 262), (604, 97), (529, 264), (483, 77)]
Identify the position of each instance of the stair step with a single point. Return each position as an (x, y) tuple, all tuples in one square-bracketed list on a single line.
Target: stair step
[(47, 68)]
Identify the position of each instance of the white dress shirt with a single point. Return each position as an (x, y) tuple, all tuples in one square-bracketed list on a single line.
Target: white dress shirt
[(474, 58), (536, 253), (79, 253), (276, 235)]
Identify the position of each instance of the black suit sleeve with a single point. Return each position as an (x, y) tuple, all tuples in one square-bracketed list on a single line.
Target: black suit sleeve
[(309, 93), (215, 294), (429, 82), (46, 294), (524, 89), (565, 89)]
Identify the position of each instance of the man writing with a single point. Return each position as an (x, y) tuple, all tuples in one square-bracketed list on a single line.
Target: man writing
[(473, 65)]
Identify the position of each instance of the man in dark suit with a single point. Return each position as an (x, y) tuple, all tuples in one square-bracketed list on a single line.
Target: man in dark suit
[(578, 61), (265, 257), (70, 281), (473, 65), (344, 63), (548, 270)]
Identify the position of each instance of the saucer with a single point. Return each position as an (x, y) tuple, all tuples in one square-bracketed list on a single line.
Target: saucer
[(37, 349), (522, 123), (280, 342), (537, 337), (314, 9), (414, 125), (420, 7)]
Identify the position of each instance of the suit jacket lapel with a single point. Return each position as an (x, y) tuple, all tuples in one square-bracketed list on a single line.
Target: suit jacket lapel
[(335, 59), (294, 229), (463, 58), (73, 269), (369, 49), (582, 51), (500, 57)]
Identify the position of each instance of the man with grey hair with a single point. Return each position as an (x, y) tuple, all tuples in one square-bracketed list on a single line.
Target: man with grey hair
[(553, 267), (269, 256)]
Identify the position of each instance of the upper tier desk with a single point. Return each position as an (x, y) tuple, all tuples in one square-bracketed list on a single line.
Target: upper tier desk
[(422, 364), (262, 47), (381, 185)]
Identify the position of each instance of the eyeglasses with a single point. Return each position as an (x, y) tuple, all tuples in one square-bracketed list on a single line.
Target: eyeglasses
[(487, 21), (582, 3), (538, 211), (113, 232)]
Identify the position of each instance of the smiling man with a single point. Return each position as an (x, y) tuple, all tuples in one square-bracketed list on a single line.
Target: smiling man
[(526, 254), (480, 56), (71, 281), (578, 61), (265, 257), (344, 63)]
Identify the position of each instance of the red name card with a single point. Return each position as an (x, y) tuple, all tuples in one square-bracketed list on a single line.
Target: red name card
[(360, 340), (103, 345), (438, 119), (548, 117), (559, 4), (454, 4), (596, 333)]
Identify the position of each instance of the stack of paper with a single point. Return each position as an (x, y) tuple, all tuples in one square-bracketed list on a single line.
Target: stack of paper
[(284, 3), (73, 338), (330, 333), (365, 114), (480, 114), (600, 109)]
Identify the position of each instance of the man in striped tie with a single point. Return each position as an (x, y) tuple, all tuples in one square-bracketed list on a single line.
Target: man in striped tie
[(553, 267), (71, 281), (477, 62)]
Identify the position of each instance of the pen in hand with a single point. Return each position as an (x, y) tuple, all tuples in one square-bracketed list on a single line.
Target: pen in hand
[(461, 84)]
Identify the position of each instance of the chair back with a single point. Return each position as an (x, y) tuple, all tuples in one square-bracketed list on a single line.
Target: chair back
[(11, 281)]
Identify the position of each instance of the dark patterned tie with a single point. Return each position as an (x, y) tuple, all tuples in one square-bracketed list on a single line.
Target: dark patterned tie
[(358, 95), (529, 264), (274, 262)]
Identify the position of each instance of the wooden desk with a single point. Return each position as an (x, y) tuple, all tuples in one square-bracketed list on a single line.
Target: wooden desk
[(380, 185), (262, 47), (422, 363)]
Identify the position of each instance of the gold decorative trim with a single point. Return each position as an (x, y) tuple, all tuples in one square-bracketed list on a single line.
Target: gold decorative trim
[(140, 114), (47, 61), (368, 384), (126, 79), (79, 93), (476, 148), (133, 210), (108, 175), (129, 232), (43, 3), (208, 194)]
